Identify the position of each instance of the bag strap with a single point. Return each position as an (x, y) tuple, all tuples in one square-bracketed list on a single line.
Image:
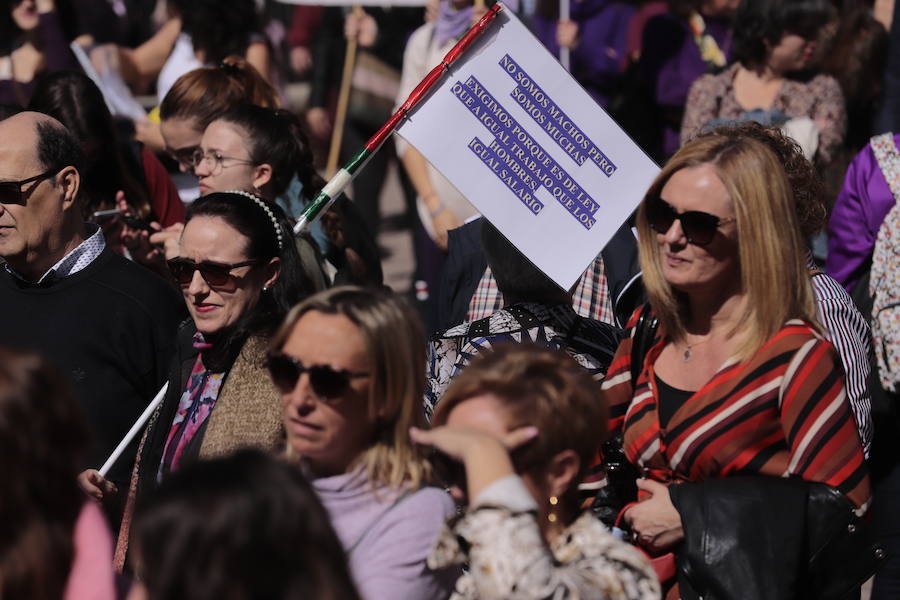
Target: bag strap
[(642, 340), (888, 158)]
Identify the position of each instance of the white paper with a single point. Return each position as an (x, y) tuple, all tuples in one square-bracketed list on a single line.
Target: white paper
[(106, 76), (560, 136)]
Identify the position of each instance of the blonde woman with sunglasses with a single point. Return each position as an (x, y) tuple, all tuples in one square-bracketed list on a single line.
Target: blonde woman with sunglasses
[(350, 366), (737, 380), (238, 272)]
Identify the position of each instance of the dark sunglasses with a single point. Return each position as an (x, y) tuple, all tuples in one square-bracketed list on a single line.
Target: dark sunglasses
[(217, 275), (327, 383), (699, 227), (11, 191)]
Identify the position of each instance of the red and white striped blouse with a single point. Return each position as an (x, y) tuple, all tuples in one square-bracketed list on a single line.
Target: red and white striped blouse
[(783, 412)]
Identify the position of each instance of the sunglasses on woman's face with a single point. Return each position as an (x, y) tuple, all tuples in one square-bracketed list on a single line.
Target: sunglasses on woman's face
[(326, 383), (216, 275), (699, 227)]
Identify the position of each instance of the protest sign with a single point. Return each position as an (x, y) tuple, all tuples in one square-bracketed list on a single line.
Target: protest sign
[(525, 144)]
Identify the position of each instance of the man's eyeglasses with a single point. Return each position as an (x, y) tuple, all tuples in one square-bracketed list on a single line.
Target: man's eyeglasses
[(217, 275), (699, 227), (215, 160), (11, 191), (327, 383)]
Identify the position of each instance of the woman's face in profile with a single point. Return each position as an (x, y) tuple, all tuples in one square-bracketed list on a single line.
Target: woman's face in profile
[(328, 425), (687, 266), (182, 137)]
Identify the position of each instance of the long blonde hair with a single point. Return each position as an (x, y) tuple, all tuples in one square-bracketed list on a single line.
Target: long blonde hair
[(395, 345), (774, 277)]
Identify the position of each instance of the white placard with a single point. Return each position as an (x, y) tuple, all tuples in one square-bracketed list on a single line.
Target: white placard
[(525, 144)]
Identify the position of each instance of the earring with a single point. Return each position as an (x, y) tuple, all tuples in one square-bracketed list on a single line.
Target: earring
[(265, 288), (553, 502)]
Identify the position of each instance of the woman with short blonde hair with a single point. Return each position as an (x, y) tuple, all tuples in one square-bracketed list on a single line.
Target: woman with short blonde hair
[(350, 366)]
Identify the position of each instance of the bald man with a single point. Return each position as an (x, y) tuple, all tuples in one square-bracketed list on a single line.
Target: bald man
[(106, 322)]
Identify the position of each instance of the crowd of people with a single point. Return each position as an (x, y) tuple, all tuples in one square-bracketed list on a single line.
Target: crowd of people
[(709, 412)]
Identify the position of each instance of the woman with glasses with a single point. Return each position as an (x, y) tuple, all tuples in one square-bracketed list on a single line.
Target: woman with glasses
[(193, 102), (737, 380), (526, 423), (239, 273), (349, 364), (774, 41), (265, 151), (201, 95)]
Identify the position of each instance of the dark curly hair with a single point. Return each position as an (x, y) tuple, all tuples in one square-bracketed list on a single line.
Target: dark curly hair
[(806, 186), (43, 440), (760, 24)]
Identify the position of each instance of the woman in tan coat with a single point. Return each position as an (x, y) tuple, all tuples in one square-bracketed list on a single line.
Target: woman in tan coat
[(238, 270)]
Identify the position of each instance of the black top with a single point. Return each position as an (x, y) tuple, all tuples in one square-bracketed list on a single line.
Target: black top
[(670, 400), (110, 327)]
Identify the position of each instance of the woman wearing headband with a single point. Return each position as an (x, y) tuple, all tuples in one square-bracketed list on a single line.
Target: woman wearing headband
[(239, 272)]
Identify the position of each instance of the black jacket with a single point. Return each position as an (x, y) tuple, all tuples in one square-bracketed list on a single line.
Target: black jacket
[(754, 537)]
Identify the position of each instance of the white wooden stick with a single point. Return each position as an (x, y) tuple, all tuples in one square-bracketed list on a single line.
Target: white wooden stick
[(563, 51), (138, 425)]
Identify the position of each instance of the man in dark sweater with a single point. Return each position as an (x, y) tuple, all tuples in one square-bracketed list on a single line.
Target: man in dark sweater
[(106, 322)]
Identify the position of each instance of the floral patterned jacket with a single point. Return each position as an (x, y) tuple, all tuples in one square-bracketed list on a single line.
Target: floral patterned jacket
[(508, 558)]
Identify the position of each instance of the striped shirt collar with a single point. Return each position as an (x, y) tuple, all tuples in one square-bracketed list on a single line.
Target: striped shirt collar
[(76, 260)]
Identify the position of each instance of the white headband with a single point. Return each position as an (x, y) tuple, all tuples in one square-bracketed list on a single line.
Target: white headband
[(262, 204)]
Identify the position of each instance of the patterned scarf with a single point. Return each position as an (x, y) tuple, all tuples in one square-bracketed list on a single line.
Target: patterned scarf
[(196, 404)]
